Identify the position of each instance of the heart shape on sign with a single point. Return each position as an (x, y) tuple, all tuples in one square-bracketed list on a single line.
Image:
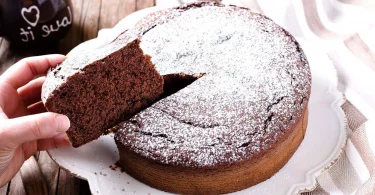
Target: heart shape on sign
[(26, 12)]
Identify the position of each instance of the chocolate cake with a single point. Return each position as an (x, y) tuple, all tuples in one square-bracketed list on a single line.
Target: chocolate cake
[(234, 110), (99, 88)]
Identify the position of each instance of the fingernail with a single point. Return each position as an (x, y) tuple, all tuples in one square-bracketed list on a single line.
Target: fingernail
[(66, 139), (63, 122)]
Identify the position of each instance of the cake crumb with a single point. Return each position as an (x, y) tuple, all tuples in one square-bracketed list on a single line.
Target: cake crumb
[(118, 165), (113, 167)]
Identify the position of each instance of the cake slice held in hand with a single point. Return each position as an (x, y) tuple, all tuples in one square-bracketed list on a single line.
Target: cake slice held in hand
[(101, 87)]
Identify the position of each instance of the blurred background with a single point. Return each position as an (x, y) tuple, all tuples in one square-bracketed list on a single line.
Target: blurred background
[(17, 18)]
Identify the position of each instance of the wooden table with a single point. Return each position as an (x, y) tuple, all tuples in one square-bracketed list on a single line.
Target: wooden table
[(39, 174)]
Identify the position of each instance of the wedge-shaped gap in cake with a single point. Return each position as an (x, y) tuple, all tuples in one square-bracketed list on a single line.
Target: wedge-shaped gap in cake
[(176, 82)]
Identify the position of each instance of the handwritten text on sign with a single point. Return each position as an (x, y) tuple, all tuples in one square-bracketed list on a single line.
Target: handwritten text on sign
[(28, 34)]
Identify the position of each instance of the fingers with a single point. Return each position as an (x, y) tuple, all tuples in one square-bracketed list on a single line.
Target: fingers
[(25, 70), (37, 108), (59, 141), (33, 127), (31, 92), (29, 149), (2, 114)]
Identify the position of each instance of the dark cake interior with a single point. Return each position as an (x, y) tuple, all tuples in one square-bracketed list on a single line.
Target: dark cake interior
[(106, 92), (175, 82)]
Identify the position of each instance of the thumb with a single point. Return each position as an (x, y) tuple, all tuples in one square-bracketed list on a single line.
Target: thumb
[(33, 127)]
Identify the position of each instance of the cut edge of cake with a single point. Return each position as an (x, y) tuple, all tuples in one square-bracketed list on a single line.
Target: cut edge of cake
[(104, 92)]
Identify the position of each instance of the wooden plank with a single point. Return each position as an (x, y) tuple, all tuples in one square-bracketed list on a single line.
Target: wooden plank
[(91, 16), (141, 4), (7, 57), (16, 185), (85, 24), (3, 190), (50, 171), (58, 180), (112, 11), (68, 184), (84, 188), (32, 177), (10, 54)]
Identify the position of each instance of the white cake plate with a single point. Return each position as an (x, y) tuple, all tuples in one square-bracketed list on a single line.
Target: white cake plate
[(324, 140)]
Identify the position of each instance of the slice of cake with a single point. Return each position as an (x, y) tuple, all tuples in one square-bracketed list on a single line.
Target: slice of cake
[(99, 88)]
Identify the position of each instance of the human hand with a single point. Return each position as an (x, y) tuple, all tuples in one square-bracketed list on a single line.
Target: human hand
[(25, 126)]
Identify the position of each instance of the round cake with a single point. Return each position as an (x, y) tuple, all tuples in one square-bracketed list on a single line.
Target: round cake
[(234, 107)]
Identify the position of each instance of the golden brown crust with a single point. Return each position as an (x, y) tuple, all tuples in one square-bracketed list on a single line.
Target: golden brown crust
[(220, 179)]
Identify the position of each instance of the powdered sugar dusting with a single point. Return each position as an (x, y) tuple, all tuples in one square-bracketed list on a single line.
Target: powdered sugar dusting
[(77, 62), (256, 83)]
